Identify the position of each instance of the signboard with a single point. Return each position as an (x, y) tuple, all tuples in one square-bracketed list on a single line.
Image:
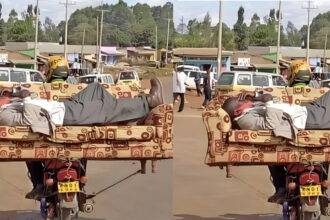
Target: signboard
[(243, 62), (3, 58)]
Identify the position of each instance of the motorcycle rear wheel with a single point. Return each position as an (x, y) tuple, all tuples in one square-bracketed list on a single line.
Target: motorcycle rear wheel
[(65, 214), (310, 215)]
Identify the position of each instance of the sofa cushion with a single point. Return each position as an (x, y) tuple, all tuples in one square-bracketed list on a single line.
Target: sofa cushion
[(79, 134), (262, 154), (94, 150), (305, 138)]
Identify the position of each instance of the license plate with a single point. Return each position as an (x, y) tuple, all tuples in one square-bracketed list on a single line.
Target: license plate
[(67, 187), (314, 190)]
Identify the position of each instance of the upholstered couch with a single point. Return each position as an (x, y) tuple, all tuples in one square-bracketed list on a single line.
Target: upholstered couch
[(151, 140), (227, 146)]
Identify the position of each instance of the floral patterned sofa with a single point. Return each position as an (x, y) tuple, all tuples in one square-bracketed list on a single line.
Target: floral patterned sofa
[(227, 146), (151, 140)]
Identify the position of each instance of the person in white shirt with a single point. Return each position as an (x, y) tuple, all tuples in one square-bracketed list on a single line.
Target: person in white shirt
[(179, 86)]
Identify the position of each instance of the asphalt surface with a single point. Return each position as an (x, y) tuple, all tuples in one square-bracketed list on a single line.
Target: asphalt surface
[(204, 193), (142, 197)]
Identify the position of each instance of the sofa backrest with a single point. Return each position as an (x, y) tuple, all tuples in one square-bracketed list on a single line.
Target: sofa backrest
[(292, 95), (62, 91)]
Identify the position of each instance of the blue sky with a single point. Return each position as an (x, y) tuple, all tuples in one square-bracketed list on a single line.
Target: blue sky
[(188, 9)]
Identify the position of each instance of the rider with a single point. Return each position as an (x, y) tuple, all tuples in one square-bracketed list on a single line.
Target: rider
[(300, 76), (58, 72)]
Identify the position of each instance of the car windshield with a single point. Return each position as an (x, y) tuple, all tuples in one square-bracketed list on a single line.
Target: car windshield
[(107, 79), (36, 77), (193, 74), (4, 76), (260, 80), (226, 79), (127, 75), (87, 79), (17, 76)]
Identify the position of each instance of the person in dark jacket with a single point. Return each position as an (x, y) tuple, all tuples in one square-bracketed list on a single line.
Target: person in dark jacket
[(208, 81), (198, 79)]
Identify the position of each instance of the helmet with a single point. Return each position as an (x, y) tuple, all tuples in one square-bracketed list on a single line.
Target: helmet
[(300, 72), (58, 68)]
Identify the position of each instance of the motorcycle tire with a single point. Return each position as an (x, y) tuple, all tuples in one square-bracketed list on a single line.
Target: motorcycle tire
[(311, 215), (65, 214)]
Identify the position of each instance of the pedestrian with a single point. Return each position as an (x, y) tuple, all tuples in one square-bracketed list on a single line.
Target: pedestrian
[(208, 82), (179, 86), (198, 83)]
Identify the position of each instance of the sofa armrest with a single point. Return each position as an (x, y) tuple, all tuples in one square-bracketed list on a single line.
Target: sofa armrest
[(218, 125), (161, 118)]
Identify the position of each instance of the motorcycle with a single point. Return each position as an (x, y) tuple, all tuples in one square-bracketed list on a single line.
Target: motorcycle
[(64, 194), (306, 197)]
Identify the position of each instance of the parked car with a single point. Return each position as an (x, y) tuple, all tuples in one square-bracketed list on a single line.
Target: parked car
[(325, 80), (20, 75), (191, 74), (101, 78), (189, 68), (237, 80), (128, 77), (191, 78)]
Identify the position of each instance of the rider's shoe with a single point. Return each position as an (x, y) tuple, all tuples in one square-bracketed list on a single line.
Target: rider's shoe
[(36, 192), (278, 197), (155, 96)]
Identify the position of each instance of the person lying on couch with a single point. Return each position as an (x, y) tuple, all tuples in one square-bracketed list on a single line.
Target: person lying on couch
[(251, 112), (94, 105)]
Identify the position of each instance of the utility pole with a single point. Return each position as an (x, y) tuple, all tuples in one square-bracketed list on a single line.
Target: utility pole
[(167, 38), (36, 37), (156, 58), (97, 42), (324, 53), (100, 41), (66, 26), (278, 38), (309, 7), (82, 47), (220, 39)]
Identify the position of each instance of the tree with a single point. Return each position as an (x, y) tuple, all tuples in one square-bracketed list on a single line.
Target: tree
[(240, 30), (51, 32), (2, 28), (293, 35), (255, 20)]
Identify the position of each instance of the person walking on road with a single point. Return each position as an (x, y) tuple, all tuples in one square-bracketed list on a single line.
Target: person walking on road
[(197, 80), (208, 82), (179, 86)]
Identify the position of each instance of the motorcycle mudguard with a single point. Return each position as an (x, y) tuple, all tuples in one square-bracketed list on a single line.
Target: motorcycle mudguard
[(68, 205), (310, 208)]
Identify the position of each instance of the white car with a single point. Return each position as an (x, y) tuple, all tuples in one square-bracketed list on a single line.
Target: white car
[(128, 77), (101, 78), (190, 82), (188, 68), (20, 75)]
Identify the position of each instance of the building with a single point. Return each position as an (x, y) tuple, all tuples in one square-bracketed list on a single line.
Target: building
[(141, 54), (15, 59), (292, 53), (111, 56), (202, 57), (244, 60)]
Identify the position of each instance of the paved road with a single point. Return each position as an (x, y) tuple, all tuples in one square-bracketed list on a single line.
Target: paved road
[(204, 193), (143, 197)]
